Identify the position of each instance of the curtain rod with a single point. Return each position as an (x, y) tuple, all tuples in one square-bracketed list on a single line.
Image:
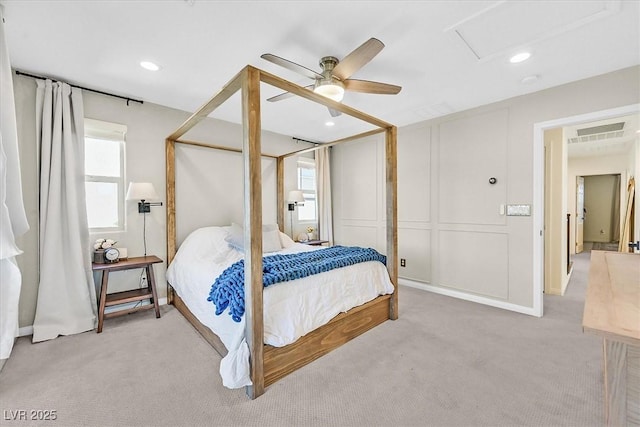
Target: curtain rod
[(304, 140), (20, 73)]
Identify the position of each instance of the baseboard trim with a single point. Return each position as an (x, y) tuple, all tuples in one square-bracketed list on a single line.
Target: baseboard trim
[(28, 330), (469, 297)]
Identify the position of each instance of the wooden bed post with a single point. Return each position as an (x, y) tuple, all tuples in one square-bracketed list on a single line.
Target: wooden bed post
[(267, 363), (280, 191), (251, 148), (170, 160), (392, 216)]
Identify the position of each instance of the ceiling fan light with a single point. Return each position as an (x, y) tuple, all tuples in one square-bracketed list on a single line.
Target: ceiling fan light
[(331, 89)]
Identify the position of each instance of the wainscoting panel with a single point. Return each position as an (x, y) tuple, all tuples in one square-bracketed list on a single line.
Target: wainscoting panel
[(360, 171), (365, 236), (414, 174), (414, 245), (476, 262), (472, 150)]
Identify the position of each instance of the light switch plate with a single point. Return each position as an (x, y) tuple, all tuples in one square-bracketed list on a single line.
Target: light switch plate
[(518, 210)]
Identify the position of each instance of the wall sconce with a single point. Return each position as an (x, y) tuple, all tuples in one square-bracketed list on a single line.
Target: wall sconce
[(143, 191), (296, 198)]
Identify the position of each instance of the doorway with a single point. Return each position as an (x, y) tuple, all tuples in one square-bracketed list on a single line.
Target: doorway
[(601, 212), (562, 239)]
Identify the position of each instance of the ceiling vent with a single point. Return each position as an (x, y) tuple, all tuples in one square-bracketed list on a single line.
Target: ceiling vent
[(601, 129), (599, 133)]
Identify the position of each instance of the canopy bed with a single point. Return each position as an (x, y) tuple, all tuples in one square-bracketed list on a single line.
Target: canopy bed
[(269, 363)]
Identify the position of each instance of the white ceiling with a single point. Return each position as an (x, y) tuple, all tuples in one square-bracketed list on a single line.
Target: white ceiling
[(447, 55)]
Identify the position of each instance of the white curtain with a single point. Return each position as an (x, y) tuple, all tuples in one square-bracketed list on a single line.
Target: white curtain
[(66, 294), (12, 214), (325, 217)]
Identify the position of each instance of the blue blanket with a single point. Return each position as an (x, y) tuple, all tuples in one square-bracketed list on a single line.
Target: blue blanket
[(228, 289)]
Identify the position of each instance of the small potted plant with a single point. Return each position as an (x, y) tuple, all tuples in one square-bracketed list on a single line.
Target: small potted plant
[(310, 231), (99, 248)]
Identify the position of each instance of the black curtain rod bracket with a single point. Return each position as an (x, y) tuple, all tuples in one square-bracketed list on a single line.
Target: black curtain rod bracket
[(20, 73)]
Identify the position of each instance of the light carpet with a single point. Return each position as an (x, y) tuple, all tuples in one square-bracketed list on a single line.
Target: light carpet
[(444, 362)]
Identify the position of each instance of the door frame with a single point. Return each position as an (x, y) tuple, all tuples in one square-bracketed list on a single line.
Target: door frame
[(538, 188), (579, 217)]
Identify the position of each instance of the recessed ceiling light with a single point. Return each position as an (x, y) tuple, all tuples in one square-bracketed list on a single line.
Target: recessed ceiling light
[(148, 65), (519, 57), (530, 79), (329, 123)]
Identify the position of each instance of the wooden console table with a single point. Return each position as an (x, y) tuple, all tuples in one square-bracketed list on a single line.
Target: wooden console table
[(107, 300), (612, 311)]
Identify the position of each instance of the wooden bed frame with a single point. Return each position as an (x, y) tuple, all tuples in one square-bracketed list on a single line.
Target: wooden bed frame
[(269, 364)]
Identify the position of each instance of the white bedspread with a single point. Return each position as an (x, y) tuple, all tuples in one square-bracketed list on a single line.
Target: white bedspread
[(291, 309)]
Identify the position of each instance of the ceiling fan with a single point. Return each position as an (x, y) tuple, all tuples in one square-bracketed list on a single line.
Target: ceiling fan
[(334, 79)]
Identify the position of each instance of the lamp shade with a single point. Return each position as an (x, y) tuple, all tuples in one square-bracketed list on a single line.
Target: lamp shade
[(141, 191), (296, 196)]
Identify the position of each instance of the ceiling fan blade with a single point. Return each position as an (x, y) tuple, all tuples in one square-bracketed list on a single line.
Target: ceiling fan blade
[(334, 113), (280, 97), (291, 66), (367, 86), (358, 58), (285, 95)]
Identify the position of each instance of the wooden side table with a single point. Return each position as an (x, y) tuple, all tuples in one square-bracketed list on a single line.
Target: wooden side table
[(107, 300), (315, 242)]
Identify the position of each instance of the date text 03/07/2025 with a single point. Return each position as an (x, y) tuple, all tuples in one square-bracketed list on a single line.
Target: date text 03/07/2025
[(30, 414)]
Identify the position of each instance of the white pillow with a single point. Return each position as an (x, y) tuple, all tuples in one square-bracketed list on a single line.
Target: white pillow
[(205, 240), (235, 237), (270, 237), (286, 241), (205, 243)]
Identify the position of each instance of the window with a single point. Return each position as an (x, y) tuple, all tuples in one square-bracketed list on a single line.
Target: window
[(307, 183), (104, 174)]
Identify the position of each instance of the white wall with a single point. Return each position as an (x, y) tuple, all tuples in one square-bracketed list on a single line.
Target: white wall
[(451, 233), (209, 182), (556, 276)]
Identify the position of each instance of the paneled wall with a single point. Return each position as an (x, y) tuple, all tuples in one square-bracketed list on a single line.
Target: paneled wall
[(464, 227), (471, 151), (361, 218), (454, 232), (414, 201)]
